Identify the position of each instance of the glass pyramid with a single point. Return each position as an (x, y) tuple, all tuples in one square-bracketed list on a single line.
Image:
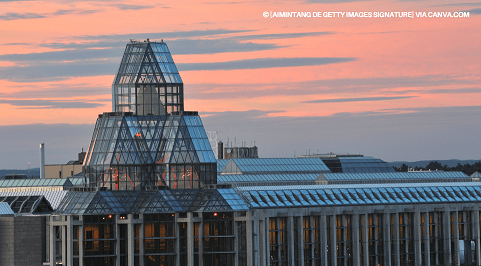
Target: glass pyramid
[(149, 141), (148, 81)]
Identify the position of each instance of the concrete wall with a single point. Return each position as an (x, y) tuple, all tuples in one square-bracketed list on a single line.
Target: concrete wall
[(22, 240), (52, 171)]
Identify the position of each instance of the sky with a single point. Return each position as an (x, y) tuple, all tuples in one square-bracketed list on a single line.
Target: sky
[(396, 88)]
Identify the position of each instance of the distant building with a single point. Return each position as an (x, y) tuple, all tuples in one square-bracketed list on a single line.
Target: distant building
[(352, 163), (65, 170), (237, 152)]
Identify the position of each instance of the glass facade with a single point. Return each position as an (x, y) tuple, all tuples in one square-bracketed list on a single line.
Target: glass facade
[(143, 152), (148, 82), (278, 254)]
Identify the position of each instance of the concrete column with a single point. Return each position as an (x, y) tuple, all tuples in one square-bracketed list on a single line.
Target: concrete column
[(365, 240), (250, 241), (117, 237), (64, 242), (290, 240), (355, 239), (190, 240), (264, 241), (81, 236), (447, 237), (456, 239), (52, 244), (427, 245), (417, 237), (69, 229), (177, 243), (397, 259), (141, 243), (130, 240), (236, 243), (300, 238), (323, 240), (201, 243), (333, 241), (387, 238), (475, 220), (343, 237)]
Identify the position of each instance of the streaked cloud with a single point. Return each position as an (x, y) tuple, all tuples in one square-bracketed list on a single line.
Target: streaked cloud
[(419, 84), (31, 15), (474, 11), (63, 71), (258, 63), (15, 16), (361, 99), (42, 104), (132, 7), (335, 1)]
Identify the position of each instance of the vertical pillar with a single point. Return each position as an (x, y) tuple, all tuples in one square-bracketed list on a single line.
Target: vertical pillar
[(141, 243), (236, 243), (311, 236), (456, 239), (323, 240), (117, 240), (81, 235), (387, 238), (355, 239), (343, 236), (249, 241), (447, 237), (397, 259), (264, 240), (69, 229), (64, 243), (365, 241), (290, 240), (427, 245), (201, 243), (52, 243), (130, 241), (475, 220), (190, 239), (300, 238), (333, 240), (417, 237)]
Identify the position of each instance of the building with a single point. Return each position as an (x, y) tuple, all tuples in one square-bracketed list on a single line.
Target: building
[(72, 168), (152, 193)]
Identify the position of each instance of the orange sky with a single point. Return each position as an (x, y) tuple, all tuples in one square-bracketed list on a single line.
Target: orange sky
[(382, 48), (58, 58)]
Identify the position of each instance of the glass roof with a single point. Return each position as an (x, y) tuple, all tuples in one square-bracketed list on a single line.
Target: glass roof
[(124, 140), (277, 165), (317, 196), (35, 204), (396, 176), (35, 182), (53, 197), (5, 209), (151, 201), (147, 62), (265, 178), (365, 165), (221, 164)]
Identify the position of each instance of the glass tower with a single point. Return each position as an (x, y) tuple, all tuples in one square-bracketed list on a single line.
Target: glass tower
[(148, 82), (149, 141)]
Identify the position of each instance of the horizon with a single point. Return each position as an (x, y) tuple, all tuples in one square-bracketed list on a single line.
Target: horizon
[(397, 89)]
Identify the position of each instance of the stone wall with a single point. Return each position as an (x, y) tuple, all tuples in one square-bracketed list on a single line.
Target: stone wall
[(22, 240)]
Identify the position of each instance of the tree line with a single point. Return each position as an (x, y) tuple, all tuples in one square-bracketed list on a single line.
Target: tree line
[(468, 169)]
